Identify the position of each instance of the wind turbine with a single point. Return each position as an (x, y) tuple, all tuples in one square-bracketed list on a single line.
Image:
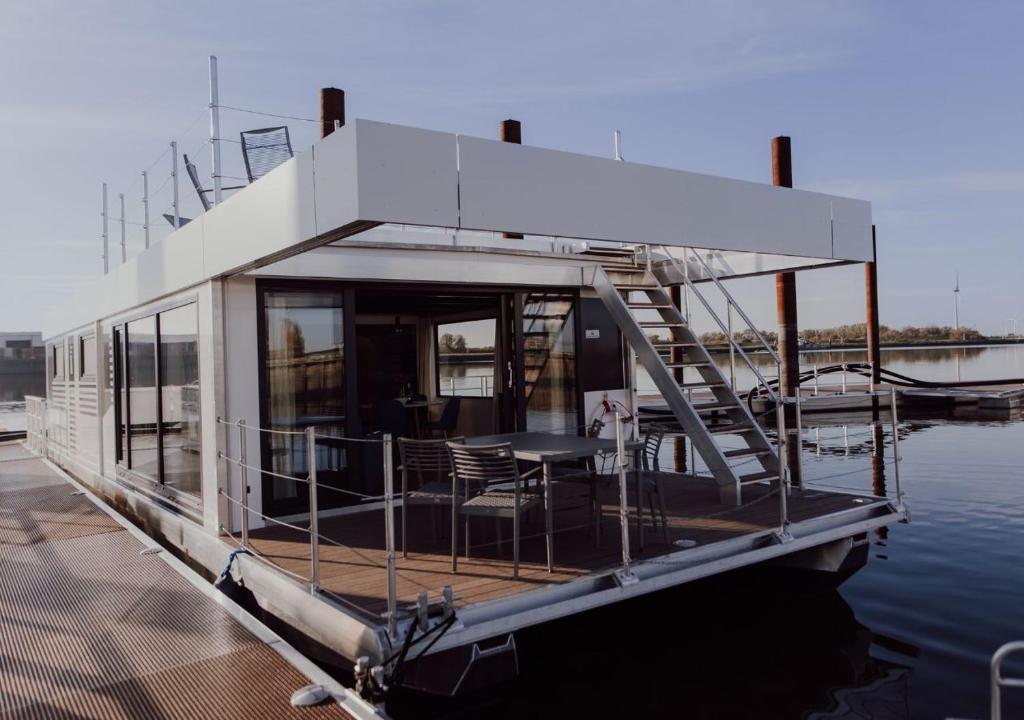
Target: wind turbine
[(956, 304)]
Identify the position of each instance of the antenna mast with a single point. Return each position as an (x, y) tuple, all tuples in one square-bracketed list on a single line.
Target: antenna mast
[(215, 132)]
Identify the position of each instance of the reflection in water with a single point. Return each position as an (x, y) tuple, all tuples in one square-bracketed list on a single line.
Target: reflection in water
[(727, 648)]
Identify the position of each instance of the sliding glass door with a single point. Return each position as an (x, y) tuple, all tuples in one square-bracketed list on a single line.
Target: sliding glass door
[(303, 355)]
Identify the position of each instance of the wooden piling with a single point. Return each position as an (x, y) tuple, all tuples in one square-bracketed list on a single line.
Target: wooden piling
[(871, 324), (785, 302), (512, 132), (332, 107)]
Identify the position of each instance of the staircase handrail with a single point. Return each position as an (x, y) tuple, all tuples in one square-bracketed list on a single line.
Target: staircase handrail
[(732, 340)]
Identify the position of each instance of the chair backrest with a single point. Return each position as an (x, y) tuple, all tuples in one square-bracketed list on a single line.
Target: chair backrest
[(450, 415), (193, 175), (265, 149), (652, 446), (425, 455), (478, 466)]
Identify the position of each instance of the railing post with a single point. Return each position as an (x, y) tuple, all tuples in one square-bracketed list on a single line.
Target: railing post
[(844, 378), (624, 576), (815, 379), (895, 445), (314, 529), (244, 480), (732, 346), (782, 535), (799, 440), (389, 530)]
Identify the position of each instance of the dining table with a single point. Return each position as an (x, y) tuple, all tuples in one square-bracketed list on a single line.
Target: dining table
[(549, 448)]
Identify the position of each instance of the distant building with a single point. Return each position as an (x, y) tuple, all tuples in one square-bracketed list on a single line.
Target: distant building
[(22, 365)]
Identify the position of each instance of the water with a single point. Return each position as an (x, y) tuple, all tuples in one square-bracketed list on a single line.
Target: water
[(909, 636)]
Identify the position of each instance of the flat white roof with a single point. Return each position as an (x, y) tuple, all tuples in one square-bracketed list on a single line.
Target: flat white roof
[(368, 173)]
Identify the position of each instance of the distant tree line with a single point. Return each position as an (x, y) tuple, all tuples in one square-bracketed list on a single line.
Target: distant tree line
[(857, 334)]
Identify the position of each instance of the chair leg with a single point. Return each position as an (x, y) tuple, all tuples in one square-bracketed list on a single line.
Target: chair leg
[(455, 541), (661, 507), (497, 525), (515, 544), (467, 537)]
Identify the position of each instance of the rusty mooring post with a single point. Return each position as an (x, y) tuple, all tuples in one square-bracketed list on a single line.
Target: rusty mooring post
[(332, 110), (785, 301), (871, 325), (512, 132)]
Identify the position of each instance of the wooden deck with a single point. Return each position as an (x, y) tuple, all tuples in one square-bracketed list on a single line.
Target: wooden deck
[(356, 572), (91, 628)]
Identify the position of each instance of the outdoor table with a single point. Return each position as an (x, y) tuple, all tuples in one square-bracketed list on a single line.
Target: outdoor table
[(548, 449)]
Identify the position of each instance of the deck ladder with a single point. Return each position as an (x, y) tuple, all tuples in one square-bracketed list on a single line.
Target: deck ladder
[(625, 282)]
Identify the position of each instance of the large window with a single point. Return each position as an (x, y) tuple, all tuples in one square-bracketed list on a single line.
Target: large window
[(465, 358), (156, 384), (179, 398), (305, 376)]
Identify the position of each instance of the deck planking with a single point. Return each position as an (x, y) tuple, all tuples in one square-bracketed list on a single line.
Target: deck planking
[(356, 573)]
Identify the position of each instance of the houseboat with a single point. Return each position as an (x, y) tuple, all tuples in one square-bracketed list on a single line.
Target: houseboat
[(265, 390)]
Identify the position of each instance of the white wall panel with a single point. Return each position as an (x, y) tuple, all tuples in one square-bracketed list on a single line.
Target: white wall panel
[(547, 192), (407, 175)]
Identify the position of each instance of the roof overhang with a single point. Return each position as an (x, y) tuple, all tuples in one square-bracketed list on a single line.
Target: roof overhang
[(369, 173)]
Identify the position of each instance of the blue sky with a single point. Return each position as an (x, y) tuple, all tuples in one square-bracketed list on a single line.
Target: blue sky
[(915, 106)]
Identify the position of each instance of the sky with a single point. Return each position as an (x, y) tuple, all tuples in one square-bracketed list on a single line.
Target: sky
[(915, 106)]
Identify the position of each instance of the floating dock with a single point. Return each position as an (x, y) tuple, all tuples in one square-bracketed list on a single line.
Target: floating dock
[(99, 622)]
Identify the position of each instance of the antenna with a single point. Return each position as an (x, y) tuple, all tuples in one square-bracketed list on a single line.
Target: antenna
[(106, 238), (618, 145)]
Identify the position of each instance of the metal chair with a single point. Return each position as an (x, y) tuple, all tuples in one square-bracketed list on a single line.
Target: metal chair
[(449, 417), (428, 458), (493, 486), (265, 149)]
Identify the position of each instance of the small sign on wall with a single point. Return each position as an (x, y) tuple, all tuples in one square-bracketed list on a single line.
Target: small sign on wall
[(593, 333)]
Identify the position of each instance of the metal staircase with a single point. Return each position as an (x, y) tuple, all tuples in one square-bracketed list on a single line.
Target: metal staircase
[(544, 319), (628, 287)]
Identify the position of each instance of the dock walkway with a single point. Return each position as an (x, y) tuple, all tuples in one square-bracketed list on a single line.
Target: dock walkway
[(92, 628)]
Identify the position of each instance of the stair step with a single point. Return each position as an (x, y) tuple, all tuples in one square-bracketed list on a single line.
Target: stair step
[(694, 364), (707, 407), (624, 287), (744, 452), (661, 323), (649, 306), (674, 344), (701, 384), (757, 477), (730, 428)]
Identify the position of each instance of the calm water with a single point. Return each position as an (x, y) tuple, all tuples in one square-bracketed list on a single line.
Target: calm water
[(909, 636)]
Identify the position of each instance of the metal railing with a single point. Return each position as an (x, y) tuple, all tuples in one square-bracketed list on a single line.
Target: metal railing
[(315, 536), (727, 326), (999, 681)]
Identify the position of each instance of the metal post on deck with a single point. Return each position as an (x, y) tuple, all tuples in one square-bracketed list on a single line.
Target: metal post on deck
[(798, 450), (174, 183), (624, 576), (314, 529), (389, 531), (844, 378), (106, 236), (782, 535), (124, 243), (215, 173), (896, 446), (243, 479), (815, 379), (145, 207)]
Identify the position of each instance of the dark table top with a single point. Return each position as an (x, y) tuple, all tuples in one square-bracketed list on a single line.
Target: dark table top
[(549, 447)]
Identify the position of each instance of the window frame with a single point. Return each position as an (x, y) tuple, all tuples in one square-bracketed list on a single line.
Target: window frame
[(82, 354), (179, 501)]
